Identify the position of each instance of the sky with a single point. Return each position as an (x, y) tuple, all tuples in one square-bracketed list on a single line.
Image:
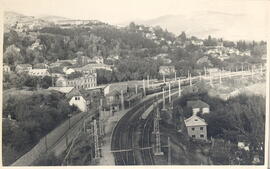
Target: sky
[(120, 11)]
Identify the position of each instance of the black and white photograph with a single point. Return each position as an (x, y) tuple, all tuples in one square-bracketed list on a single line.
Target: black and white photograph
[(135, 83)]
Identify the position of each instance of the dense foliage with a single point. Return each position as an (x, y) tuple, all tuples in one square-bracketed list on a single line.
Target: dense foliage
[(13, 80), (239, 116), (33, 117)]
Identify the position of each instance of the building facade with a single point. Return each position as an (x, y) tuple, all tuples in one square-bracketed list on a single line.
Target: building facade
[(85, 82), (39, 72), (6, 68), (23, 68), (166, 70), (196, 127)]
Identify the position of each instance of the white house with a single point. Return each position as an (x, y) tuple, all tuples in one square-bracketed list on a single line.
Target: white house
[(6, 68), (198, 106), (196, 127), (68, 71), (75, 98), (39, 72), (79, 102)]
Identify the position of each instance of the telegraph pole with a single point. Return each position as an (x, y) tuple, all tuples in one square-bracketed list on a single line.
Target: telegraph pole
[(136, 88), (242, 71), (122, 100), (170, 97), (147, 81), (163, 98), (190, 80), (179, 87), (97, 153), (230, 73), (164, 78), (169, 152), (144, 93), (157, 147)]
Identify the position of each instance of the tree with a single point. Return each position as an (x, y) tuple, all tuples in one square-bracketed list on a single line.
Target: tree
[(183, 37), (12, 55), (46, 82)]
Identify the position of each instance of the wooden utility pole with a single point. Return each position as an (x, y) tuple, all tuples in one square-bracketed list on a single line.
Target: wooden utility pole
[(148, 82), (157, 147), (179, 87), (170, 97), (144, 93), (122, 100), (97, 153), (136, 88), (169, 152), (164, 78), (190, 80), (242, 71), (163, 98)]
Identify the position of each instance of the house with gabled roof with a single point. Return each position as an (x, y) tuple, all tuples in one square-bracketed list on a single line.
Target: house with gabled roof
[(39, 72), (76, 98), (198, 106), (112, 94), (196, 127), (23, 68), (64, 90), (6, 68)]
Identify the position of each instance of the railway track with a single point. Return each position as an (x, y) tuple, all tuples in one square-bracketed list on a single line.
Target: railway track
[(122, 138), (147, 154), (123, 133)]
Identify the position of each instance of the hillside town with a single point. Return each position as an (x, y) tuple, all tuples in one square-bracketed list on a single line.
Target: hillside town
[(74, 89)]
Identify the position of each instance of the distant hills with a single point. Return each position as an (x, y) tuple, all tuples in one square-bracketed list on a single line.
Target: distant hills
[(52, 18), (201, 24), (218, 24)]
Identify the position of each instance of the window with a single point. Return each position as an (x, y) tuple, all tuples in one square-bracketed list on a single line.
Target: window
[(196, 119), (193, 136), (75, 98), (202, 136), (192, 128), (201, 128)]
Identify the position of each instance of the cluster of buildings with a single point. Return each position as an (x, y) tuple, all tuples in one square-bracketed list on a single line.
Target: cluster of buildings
[(224, 53), (166, 70), (61, 71)]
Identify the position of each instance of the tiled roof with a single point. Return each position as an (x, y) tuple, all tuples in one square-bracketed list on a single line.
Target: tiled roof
[(38, 71), (195, 121), (116, 88), (62, 89), (197, 104), (24, 65)]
